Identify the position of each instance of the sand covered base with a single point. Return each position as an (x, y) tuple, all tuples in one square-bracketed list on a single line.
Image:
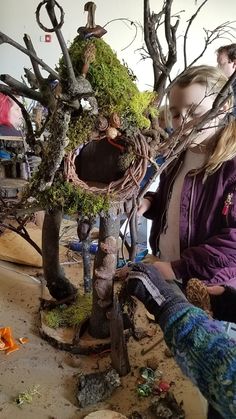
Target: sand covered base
[(56, 372)]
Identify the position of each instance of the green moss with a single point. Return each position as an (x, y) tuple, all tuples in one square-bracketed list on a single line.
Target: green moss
[(68, 196), (72, 315), (125, 160), (73, 199), (113, 85), (79, 131), (27, 396)]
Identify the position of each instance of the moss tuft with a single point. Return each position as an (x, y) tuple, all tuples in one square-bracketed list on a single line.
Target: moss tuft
[(125, 160), (74, 199), (80, 130), (67, 316), (71, 198), (114, 87)]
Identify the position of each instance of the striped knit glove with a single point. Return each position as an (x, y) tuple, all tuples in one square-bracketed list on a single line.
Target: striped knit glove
[(161, 298)]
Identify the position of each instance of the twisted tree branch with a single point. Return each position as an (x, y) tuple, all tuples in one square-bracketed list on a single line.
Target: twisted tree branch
[(4, 39), (187, 31), (20, 88), (24, 234), (50, 4), (35, 65)]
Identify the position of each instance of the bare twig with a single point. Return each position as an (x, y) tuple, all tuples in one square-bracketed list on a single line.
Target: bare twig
[(154, 345), (187, 31), (176, 145), (132, 23), (58, 25), (24, 234), (211, 35), (162, 65), (4, 39), (50, 4), (133, 232), (19, 88), (29, 46)]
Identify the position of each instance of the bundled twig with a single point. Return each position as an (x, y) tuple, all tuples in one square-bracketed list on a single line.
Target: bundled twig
[(122, 189), (176, 145), (162, 63)]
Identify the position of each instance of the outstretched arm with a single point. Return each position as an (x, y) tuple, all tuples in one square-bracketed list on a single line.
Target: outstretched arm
[(204, 352)]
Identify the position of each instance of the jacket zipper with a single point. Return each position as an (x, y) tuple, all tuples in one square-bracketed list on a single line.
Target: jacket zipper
[(191, 212), (167, 203)]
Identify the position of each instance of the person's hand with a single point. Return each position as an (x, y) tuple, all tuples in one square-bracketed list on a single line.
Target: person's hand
[(143, 207), (146, 283), (215, 290), (143, 282), (165, 269)]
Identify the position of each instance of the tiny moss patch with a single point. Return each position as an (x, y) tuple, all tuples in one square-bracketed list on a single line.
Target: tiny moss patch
[(80, 131), (67, 316)]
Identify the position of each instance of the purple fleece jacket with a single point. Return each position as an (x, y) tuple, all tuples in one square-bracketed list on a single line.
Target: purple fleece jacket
[(207, 223)]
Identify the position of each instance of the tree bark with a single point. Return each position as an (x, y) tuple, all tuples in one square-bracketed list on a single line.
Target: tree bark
[(87, 264), (133, 236), (104, 270), (58, 285), (119, 352)]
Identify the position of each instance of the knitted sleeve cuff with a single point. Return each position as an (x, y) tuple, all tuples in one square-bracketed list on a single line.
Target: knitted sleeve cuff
[(169, 311), (175, 301)]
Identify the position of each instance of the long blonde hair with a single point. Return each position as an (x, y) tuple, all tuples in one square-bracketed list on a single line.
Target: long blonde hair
[(224, 147)]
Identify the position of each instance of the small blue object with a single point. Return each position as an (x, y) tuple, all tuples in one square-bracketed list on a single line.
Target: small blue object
[(140, 256), (93, 248), (5, 155), (121, 262), (77, 246)]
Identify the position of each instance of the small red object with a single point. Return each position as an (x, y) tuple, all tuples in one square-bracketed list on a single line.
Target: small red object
[(164, 386), (48, 37), (227, 204), (120, 147), (225, 209)]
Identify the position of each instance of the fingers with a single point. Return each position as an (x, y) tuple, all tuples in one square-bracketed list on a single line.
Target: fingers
[(165, 269), (143, 207), (216, 290)]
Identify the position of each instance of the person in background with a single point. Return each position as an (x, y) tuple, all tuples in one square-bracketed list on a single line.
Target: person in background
[(193, 212), (10, 123), (226, 59), (199, 344), (10, 117)]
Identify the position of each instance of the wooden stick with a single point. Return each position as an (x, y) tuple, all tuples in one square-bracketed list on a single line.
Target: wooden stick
[(145, 351)]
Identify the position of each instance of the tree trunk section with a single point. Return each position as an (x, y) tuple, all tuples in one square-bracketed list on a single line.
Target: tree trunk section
[(133, 236), (87, 264), (119, 353), (58, 285), (104, 270)]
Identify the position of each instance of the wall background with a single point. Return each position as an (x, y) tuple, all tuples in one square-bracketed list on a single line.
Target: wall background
[(18, 17)]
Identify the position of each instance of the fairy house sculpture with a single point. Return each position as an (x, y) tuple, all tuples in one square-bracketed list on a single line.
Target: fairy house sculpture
[(94, 157), (114, 159), (101, 133)]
